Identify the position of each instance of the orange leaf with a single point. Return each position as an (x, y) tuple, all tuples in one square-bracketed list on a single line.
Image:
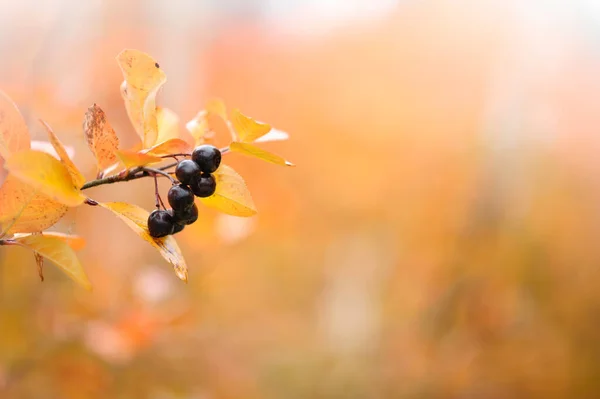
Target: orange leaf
[(168, 124), (143, 79), (232, 195), (23, 210), (247, 128), (14, 135), (216, 106), (76, 175), (101, 137), (254, 151), (132, 159), (198, 127), (137, 218), (172, 146), (57, 251), (46, 174)]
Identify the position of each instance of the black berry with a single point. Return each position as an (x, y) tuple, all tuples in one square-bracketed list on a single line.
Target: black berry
[(177, 228), (180, 197), (186, 216), (160, 223), (186, 171), (207, 157), (204, 186)]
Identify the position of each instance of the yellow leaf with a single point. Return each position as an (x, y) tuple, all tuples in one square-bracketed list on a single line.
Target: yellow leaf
[(232, 195), (57, 251), (75, 242), (46, 174), (23, 210), (247, 128), (273, 135), (14, 135), (254, 151), (216, 106), (168, 124), (172, 146), (101, 137), (198, 127), (76, 175), (132, 159), (137, 218), (143, 79)]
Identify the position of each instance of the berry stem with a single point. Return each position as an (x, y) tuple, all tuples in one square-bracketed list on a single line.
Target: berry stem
[(156, 194), (182, 154)]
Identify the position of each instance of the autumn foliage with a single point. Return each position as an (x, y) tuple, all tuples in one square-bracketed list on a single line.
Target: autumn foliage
[(41, 187)]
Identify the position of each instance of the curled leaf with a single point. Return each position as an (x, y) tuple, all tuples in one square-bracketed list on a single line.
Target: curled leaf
[(231, 196), (14, 135), (143, 79), (101, 137), (137, 218), (46, 174), (57, 251), (24, 210), (247, 128), (254, 151), (76, 175), (167, 123), (172, 146), (132, 159)]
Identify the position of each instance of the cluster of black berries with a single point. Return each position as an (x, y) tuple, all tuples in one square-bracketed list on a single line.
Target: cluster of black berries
[(196, 179)]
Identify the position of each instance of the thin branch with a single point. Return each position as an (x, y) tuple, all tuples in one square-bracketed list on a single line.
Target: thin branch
[(132, 174), (160, 172)]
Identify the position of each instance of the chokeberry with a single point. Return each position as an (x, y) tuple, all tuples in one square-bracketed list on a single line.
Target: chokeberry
[(186, 171), (177, 228), (204, 186), (160, 223), (186, 216), (207, 157), (180, 197)]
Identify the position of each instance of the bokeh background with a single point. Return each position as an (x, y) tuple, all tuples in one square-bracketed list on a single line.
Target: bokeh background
[(439, 237)]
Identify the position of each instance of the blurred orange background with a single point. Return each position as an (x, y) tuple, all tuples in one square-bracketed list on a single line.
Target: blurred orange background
[(437, 239)]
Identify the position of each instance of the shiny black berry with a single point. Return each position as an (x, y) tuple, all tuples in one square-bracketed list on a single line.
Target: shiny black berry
[(180, 197), (186, 171), (177, 228), (186, 216), (207, 157), (160, 223), (204, 186)]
